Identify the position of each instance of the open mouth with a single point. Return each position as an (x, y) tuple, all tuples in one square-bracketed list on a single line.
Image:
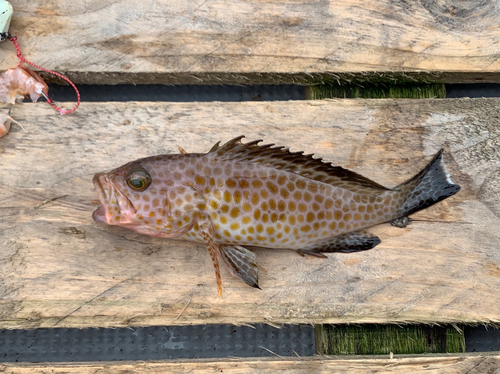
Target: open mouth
[(116, 208), (99, 215), (99, 181)]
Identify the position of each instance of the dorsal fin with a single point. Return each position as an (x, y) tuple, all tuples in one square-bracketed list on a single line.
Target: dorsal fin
[(294, 162)]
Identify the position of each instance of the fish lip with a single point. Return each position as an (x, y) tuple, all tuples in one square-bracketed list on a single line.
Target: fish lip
[(99, 215), (106, 194)]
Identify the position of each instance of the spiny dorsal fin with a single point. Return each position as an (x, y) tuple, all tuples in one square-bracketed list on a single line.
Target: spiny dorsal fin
[(294, 162)]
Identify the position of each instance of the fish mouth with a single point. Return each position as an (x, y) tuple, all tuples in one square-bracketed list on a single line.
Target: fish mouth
[(99, 215), (113, 202)]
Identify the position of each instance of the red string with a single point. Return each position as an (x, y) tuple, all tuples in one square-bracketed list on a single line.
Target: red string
[(49, 100)]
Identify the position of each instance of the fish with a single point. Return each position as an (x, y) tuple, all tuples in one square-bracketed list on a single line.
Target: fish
[(6, 122), (19, 82), (238, 196)]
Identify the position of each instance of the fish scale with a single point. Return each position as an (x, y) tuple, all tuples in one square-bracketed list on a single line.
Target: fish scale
[(239, 195)]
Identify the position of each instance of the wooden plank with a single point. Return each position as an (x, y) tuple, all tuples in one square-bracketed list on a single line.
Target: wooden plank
[(470, 364), (60, 268), (241, 42)]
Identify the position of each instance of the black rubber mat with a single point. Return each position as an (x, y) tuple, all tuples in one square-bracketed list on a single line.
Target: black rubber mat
[(482, 339), (155, 343), (157, 92), (472, 90)]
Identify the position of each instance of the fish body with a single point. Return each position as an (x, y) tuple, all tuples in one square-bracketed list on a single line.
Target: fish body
[(240, 195)]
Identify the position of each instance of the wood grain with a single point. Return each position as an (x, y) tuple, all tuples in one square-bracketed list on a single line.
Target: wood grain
[(59, 268), (470, 364), (259, 41)]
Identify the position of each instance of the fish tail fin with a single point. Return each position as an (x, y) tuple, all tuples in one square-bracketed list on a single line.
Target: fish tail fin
[(428, 187)]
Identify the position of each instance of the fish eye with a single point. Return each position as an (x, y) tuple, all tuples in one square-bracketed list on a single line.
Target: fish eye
[(138, 179)]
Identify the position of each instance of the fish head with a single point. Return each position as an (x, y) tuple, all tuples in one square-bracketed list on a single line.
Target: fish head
[(127, 194)]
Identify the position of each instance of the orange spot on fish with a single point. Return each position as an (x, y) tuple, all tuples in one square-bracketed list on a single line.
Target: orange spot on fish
[(284, 193), (237, 197), (256, 183), (235, 212), (255, 198), (272, 187)]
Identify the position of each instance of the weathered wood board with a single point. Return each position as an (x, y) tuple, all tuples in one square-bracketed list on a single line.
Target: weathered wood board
[(470, 364), (59, 268), (260, 41)]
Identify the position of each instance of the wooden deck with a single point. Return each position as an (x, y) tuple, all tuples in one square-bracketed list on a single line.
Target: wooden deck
[(244, 42), (470, 364), (59, 268)]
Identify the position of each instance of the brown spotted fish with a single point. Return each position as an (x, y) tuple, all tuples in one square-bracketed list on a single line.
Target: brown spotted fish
[(240, 195)]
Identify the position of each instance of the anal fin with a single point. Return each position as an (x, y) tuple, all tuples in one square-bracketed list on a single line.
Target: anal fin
[(241, 262), (351, 242)]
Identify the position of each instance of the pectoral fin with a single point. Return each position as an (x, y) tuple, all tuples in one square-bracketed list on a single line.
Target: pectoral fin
[(241, 262), (350, 242), (208, 237)]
